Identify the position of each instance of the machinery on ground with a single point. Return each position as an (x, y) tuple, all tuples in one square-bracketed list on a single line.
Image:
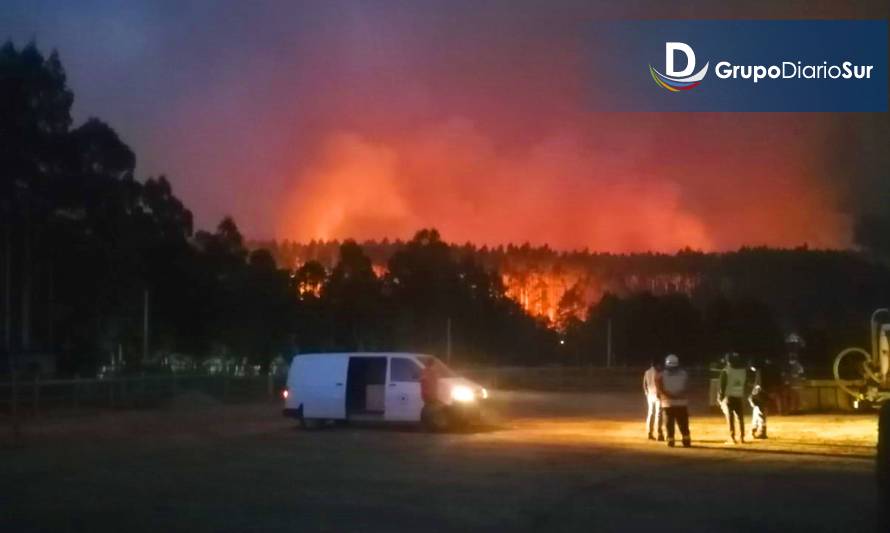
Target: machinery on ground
[(862, 374)]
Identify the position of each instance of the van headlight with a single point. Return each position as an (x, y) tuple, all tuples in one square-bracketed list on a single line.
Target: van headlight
[(462, 393)]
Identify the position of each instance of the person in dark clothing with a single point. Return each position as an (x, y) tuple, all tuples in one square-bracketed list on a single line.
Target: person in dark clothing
[(792, 374), (792, 377), (733, 381)]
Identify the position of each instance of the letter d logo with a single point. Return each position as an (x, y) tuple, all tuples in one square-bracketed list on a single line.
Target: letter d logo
[(683, 80), (669, 51)]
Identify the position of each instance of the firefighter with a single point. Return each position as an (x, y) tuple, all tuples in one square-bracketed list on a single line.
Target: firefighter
[(671, 386), (731, 396), (654, 416), (792, 374), (792, 378)]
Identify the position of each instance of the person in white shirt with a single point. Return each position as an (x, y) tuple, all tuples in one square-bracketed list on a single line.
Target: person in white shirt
[(654, 416), (671, 385)]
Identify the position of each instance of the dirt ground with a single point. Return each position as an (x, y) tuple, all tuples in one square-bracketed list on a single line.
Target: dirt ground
[(544, 462)]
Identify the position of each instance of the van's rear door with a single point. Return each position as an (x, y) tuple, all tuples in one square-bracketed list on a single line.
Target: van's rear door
[(324, 383)]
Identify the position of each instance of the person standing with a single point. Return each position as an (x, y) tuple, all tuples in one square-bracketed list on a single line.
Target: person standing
[(763, 396), (433, 415), (671, 386), (792, 374), (792, 378), (758, 402), (654, 417), (733, 380), (429, 383)]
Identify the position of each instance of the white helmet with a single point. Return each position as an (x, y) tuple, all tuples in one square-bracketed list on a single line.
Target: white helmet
[(671, 361), (794, 338)]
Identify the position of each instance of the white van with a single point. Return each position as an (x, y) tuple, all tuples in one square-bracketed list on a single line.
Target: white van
[(371, 386)]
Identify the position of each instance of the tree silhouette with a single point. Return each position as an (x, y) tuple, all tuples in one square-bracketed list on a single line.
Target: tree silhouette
[(353, 301)]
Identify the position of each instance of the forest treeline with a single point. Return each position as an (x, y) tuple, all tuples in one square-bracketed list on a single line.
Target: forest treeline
[(696, 303), (93, 257)]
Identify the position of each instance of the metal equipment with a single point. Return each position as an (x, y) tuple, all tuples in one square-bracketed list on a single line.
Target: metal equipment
[(867, 373)]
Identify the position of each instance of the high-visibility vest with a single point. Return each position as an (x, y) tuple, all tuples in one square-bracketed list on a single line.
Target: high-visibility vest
[(735, 382)]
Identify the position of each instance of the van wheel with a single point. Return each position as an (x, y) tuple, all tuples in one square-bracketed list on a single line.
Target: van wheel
[(310, 423), (435, 418)]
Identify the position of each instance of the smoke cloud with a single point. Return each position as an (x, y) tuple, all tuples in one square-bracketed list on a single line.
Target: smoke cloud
[(372, 119), (561, 190)]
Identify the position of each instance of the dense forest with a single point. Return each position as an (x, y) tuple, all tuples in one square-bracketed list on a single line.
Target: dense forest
[(696, 303), (100, 266)]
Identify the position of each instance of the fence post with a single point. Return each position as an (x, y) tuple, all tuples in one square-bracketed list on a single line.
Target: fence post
[(36, 401), (14, 398), (819, 398)]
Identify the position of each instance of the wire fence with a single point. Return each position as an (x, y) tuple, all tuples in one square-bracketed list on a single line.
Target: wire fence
[(31, 397), (570, 378), (35, 396)]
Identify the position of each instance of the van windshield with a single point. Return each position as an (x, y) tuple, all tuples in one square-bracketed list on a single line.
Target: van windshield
[(440, 368)]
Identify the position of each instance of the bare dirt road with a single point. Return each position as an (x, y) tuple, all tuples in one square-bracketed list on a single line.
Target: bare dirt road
[(547, 462)]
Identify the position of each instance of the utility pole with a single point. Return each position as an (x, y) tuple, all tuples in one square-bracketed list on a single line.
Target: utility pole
[(448, 340), (26, 279), (609, 343), (51, 296), (7, 325), (145, 312), (7, 293)]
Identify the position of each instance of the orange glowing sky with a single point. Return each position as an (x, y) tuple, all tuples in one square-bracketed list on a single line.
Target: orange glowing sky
[(373, 119), (569, 190)]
